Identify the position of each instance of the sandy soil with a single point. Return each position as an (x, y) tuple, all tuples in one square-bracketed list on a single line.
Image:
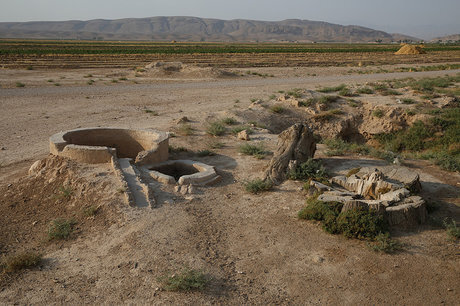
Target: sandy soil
[(253, 247)]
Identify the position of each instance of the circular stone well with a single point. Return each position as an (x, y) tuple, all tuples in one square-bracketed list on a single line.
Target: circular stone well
[(183, 172), (99, 145)]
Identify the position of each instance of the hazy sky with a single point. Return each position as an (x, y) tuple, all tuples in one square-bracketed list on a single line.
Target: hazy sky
[(421, 18)]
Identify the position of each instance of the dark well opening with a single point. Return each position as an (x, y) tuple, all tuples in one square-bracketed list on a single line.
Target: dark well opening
[(176, 170)]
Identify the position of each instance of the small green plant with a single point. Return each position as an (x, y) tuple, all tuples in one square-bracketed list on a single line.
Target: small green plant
[(278, 109), (311, 169), (215, 145), (390, 92), (253, 100), (327, 116), (19, 84), (378, 113), (452, 230), (216, 128), (365, 90), (21, 261), (65, 192), (383, 243), (327, 99), (337, 147), (90, 82), (151, 112), (50, 81), (346, 92), (295, 93), (229, 121), (256, 150), (257, 186), (60, 228), (272, 97), (240, 128), (408, 101), (91, 211), (332, 89), (57, 84), (186, 280), (88, 76), (114, 81), (30, 68), (122, 79), (179, 149), (203, 153), (185, 130), (361, 224)]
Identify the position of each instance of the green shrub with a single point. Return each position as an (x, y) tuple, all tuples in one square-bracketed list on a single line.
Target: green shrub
[(215, 128), (229, 121), (151, 112), (378, 113), (186, 280), (327, 116), (408, 101), (203, 153), (19, 84), (278, 109), (257, 186), (65, 192), (347, 93), (173, 149), (311, 169), (185, 129), (318, 210), (240, 128), (390, 92), (383, 243), (361, 224), (333, 89), (327, 99), (90, 211), (60, 228), (296, 93), (365, 90), (337, 147), (452, 230), (21, 261), (215, 145), (256, 150)]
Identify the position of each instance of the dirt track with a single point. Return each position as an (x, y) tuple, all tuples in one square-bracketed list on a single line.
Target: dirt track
[(253, 246)]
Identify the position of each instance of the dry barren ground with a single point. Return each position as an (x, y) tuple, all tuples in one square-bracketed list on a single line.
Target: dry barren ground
[(252, 247)]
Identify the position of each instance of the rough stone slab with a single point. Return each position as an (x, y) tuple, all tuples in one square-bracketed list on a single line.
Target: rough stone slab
[(413, 212), (394, 196)]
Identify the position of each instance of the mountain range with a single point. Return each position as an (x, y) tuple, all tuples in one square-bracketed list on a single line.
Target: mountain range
[(197, 29)]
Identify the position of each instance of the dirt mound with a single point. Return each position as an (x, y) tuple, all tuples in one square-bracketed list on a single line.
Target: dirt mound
[(56, 188), (180, 70), (410, 49)]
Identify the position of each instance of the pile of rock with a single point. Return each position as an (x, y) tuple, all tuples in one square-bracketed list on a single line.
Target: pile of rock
[(387, 190)]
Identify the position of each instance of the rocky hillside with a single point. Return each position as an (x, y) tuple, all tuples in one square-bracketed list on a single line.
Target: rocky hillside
[(449, 38), (196, 29)]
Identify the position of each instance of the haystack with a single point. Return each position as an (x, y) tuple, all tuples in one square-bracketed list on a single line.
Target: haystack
[(410, 49)]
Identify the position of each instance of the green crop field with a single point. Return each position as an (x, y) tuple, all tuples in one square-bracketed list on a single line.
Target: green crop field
[(43, 47)]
